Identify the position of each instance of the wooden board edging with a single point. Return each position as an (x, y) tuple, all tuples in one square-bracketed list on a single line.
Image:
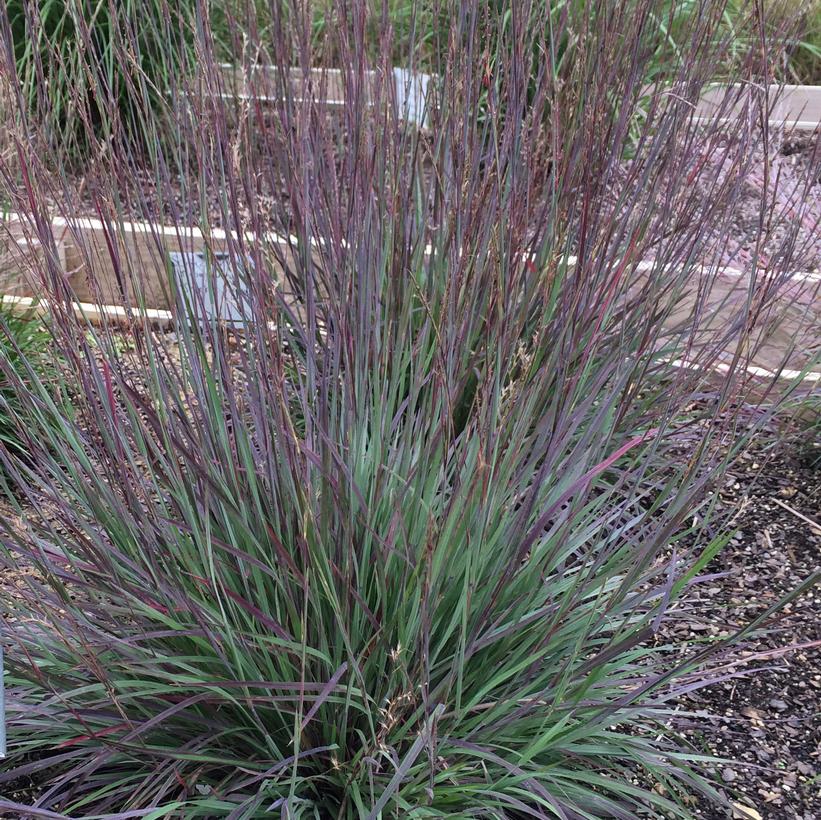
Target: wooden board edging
[(92, 313), (93, 254), (118, 316), (790, 106)]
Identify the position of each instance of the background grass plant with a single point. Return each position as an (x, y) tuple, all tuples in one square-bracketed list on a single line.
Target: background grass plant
[(65, 52), (78, 62), (26, 352)]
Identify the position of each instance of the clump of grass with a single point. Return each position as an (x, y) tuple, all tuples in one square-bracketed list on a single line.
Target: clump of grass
[(401, 544), (26, 353), (805, 62), (74, 74)]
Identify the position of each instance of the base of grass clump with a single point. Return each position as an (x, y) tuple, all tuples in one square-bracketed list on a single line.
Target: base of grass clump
[(27, 355)]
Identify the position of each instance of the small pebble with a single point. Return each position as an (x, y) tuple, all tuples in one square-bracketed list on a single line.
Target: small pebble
[(728, 775)]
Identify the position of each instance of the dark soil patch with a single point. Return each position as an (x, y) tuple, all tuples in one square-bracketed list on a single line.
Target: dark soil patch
[(768, 721)]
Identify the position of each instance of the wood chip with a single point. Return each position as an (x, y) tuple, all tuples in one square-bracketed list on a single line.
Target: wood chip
[(744, 812), (814, 525)]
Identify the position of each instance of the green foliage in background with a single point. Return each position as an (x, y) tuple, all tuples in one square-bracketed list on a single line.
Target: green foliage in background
[(70, 54), (73, 56), (25, 352), (426, 23), (806, 61)]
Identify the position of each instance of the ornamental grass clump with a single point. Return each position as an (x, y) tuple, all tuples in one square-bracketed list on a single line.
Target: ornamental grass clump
[(406, 537)]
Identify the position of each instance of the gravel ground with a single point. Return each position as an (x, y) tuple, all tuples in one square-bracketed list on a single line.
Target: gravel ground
[(794, 180), (769, 721), (789, 187)]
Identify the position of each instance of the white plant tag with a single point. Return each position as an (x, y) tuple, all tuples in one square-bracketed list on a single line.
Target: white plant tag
[(411, 95), (212, 288)]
